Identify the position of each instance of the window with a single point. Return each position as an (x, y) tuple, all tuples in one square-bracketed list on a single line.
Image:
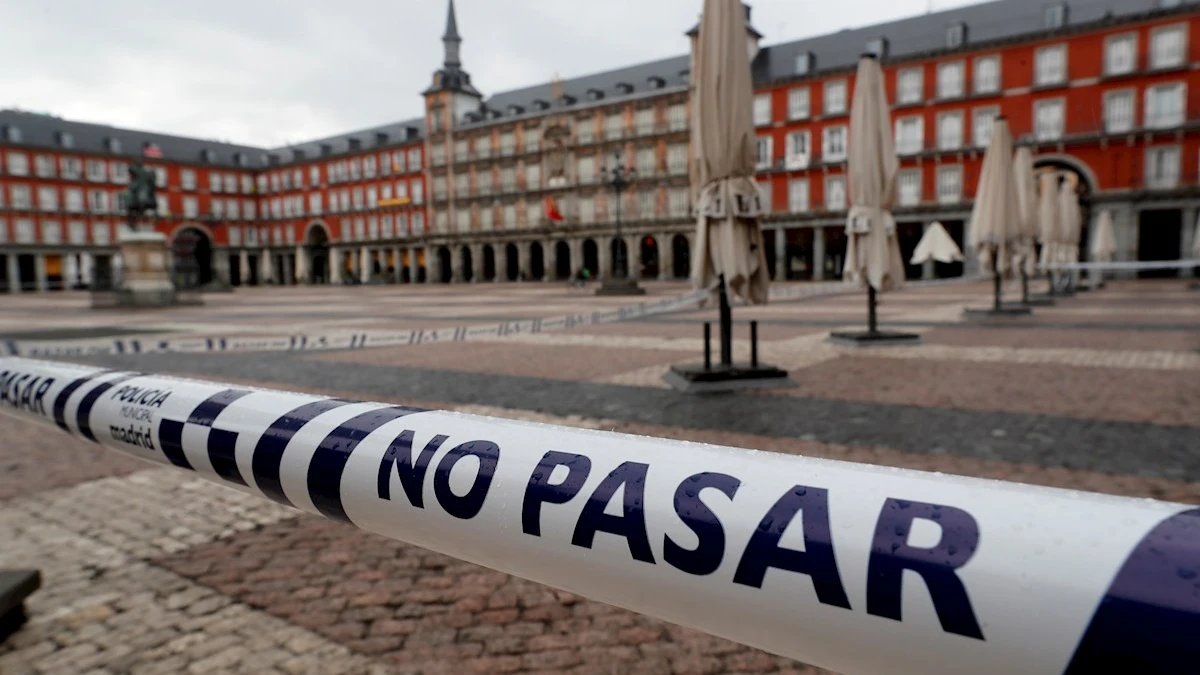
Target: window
[(483, 182), (614, 126), (401, 189), (187, 179), (368, 167), (24, 230), (360, 229), (878, 47), (1056, 16), (160, 176), (533, 214), (100, 234), (414, 162), (232, 210), (47, 198), (97, 201), (1164, 106), (798, 104), (835, 97), (373, 196), (950, 130), (1168, 47), (1048, 119), (508, 143), (676, 117), (249, 210), (460, 150), (1118, 111), (987, 74), (1120, 54), (77, 232), (647, 203), (833, 144), (462, 183), (214, 181), (646, 162), (355, 169), (804, 63), (508, 179), (73, 198), (418, 192), (344, 200), (950, 79), (835, 193), (52, 232), (533, 176), (677, 157), (763, 149), (910, 135), (533, 138), (909, 84), (981, 125), (18, 164), (483, 147), (949, 184), (97, 170), (908, 187), (43, 166), (798, 195), (70, 167), (587, 210), (587, 170), (799, 149), (120, 173), (766, 191), (509, 214), (762, 110), (486, 218), (20, 196), (956, 35), (217, 208), (1162, 167), (231, 183), (1050, 65), (191, 207)]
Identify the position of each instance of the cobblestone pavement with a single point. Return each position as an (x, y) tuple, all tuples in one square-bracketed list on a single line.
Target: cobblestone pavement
[(150, 571)]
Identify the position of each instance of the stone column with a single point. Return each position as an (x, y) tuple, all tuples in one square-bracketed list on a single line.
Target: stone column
[(266, 267), (398, 272), (413, 267), (301, 266), (604, 256), (289, 270), (70, 270), (818, 254), (43, 281), (220, 263), (549, 260), (666, 256), (1185, 238), (502, 261), (780, 254), (927, 269), (476, 263), (523, 260), (88, 264), (244, 264), (14, 273), (336, 261), (364, 264)]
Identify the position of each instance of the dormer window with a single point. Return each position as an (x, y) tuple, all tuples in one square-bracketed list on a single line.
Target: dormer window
[(804, 63), (567, 99), (655, 82), (355, 144), (625, 87), (1056, 16), (272, 160), (594, 94), (326, 149), (66, 140), (878, 47), (240, 159), (685, 75), (515, 110), (208, 155), (539, 104), (297, 155), (12, 134), (113, 144), (381, 139), (956, 35)]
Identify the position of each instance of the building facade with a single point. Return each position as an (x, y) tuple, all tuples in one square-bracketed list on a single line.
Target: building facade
[(515, 186)]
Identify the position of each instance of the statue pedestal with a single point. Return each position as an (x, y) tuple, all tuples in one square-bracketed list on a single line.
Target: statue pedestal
[(144, 280)]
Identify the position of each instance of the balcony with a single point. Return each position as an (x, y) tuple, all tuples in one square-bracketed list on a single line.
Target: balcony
[(508, 150)]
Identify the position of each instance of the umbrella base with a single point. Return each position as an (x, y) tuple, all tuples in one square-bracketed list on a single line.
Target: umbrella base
[(620, 287), (1040, 301), (1005, 310), (695, 378), (15, 586), (879, 338)]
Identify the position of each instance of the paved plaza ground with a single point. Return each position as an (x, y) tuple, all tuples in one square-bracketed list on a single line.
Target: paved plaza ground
[(148, 570)]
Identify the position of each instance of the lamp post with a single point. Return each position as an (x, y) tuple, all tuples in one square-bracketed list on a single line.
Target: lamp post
[(619, 178)]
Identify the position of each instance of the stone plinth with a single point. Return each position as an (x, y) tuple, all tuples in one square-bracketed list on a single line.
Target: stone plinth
[(145, 281)]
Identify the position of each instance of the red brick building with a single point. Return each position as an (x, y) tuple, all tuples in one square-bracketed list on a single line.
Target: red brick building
[(1106, 89)]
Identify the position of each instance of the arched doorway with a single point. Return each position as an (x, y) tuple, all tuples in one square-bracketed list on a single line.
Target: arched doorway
[(591, 256), (562, 260), (681, 255), (619, 258), (537, 262), (489, 263), (649, 258), (511, 263), (445, 274), (468, 268), (1068, 168), (192, 253), (316, 247)]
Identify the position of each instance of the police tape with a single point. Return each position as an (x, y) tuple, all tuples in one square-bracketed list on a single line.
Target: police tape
[(1117, 265), (861, 569), (365, 339)]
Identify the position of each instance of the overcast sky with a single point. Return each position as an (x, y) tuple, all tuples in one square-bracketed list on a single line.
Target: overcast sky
[(270, 72)]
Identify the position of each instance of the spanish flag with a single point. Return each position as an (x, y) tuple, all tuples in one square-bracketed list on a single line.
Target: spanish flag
[(552, 212)]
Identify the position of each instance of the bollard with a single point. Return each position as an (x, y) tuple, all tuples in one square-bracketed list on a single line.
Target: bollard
[(861, 569), (753, 344), (707, 346)]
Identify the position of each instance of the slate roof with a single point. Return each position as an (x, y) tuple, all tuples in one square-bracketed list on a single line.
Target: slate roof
[(911, 37)]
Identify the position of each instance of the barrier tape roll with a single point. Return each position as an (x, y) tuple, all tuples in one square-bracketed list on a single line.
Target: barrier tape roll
[(861, 569), (365, 339)]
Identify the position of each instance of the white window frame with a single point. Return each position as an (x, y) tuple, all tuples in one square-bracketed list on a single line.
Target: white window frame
[(1129, 93), (942, 142), (1163, 182), (1048, 72), (835, 105), (1152, 118), (1109, 50), (799, 103), (829, 181), (914, 78), (798, 195), (904, 190), (793, 157), (905, 146), (764, 148), (1058, 102), (827, 155), (979, 85), (762, 110), (944, 89), (944, 195), (981, 137), (1157, 61)]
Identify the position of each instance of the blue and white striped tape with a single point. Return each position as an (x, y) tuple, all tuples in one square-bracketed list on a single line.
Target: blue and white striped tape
[(861, 569)]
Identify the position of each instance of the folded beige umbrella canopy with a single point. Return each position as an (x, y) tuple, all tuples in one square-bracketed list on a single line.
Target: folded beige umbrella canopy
[(936, 244), (1027, 210), (995, 217), (1048, 218), (1104, 242), (1196, 241), (872, 247), (1070, 220), (729, 240)]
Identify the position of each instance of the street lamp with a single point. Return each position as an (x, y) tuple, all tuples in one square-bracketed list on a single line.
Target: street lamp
[(619, 178)]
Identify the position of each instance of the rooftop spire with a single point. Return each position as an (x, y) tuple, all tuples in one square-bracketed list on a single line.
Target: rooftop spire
[(451, 40)]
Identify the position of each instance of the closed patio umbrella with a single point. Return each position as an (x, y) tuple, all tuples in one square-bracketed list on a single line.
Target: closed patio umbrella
[(1104, 243), (1070, 222), (1027, 210), (995, 217)]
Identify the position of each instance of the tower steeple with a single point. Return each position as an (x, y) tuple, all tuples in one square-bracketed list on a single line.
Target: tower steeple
[(451, 41)]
